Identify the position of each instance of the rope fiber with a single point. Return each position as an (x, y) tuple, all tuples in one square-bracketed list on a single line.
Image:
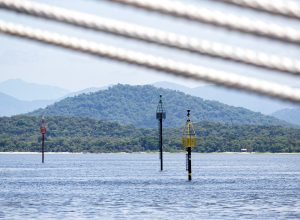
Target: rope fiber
[(217, 18), (156, 63), (278, 7), (168, 39)]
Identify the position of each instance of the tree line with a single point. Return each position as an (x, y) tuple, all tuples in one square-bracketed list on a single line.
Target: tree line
[(73, 134)]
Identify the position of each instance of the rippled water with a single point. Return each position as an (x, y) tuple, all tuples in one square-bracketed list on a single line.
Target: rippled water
[(115, 186)]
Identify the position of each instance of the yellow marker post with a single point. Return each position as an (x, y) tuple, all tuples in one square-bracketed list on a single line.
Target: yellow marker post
[(189, 141)]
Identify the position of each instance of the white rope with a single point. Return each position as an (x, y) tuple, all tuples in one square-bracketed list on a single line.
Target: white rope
[(213, 17), (157, 63), (279, 7), (223, 51)]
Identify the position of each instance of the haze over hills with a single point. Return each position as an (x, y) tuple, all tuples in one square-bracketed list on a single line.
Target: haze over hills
[(136, 105), (12, 106), (84, 91), (229, 97), (20, 97), (289, 115), (26, 91)]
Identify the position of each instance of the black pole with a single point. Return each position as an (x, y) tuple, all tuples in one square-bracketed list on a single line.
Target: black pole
[(189, 151), (160, 116), (161, 144), (43, 145)]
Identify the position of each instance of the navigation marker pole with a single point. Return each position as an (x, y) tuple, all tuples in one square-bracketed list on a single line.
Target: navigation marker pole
[(189, 141), (43, 132), (160, 116)]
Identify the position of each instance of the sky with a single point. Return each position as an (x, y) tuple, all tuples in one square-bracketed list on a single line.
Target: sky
[(37, 63)]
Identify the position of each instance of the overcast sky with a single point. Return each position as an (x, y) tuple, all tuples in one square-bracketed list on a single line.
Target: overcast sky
[(38, 63)]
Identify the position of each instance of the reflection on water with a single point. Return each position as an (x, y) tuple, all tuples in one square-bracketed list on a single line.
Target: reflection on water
[(80, 186)]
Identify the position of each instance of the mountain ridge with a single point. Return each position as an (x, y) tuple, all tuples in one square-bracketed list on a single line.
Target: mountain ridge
[(230, 97), (291, 115), (207, 92), (12, 106), (27, 91), (136, 105)]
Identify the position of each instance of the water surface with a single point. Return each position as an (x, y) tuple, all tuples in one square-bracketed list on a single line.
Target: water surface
[(130, 186)]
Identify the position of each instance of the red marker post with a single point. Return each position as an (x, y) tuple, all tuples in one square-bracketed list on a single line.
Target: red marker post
[(43, 132)]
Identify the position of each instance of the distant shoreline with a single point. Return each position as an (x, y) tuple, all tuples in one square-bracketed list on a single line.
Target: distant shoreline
[(142, 152)]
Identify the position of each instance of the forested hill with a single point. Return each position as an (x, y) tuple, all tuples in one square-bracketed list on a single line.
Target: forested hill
[(21, 133), (136, 105)]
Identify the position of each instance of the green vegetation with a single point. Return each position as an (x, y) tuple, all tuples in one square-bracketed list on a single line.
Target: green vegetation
[(136, 105), (21, 133)]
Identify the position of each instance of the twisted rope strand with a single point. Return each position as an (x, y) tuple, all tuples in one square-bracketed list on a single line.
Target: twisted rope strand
[(168, 39), (156, 63), (217, 18), (284, 8)]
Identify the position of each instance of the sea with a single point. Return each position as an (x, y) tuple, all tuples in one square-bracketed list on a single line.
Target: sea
[(131, 186)]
